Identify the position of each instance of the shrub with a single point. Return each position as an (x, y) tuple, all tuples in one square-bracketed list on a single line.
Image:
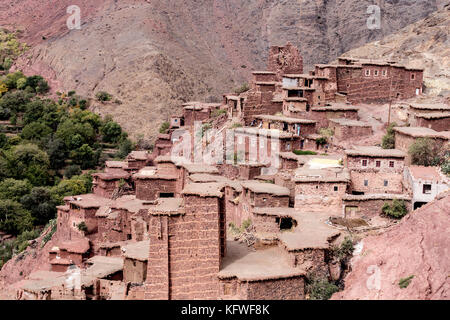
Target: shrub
[(404, 282), (103, 96), (425, 152), (320, 288), (51, 224), (326, 132), (321, 141), (388, 141), (304, 152), (82, 226), (164, 127), (73, 170), (111, 132), (218, 112), (396, 210), (244, 88)]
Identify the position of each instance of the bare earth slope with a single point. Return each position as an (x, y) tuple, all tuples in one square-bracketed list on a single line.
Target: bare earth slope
[(418, 247), (153, 55)]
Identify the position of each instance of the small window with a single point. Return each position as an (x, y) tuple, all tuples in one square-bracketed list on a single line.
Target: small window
[(364, 163), (384, 72), (413, 76), (375, 73), (427, 188), (367, 73), (336, 188), (378, 163), (386, 183), (366, 183), (166, 195), (391, 164)]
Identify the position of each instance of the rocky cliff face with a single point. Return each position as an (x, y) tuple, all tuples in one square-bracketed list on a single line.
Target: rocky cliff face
[(153, 55), (416, 249)]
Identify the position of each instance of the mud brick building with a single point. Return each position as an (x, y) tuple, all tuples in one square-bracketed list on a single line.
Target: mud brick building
[(425, 183), (434, 116), (333, 111), (406, 136), (368, 206), (318, 190), (377, 81), (375, 170), (299, 127), (346, 128)]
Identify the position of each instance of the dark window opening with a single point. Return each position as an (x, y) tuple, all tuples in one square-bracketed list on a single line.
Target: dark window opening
[(128, 236), (418, 204), (286, 223), (357, 193), (391, 164), (366, 183), (427, 188), (378, 164), (307, 107), (295, 93), (364, 163), (336, 188), (167, 195), (386, 183)]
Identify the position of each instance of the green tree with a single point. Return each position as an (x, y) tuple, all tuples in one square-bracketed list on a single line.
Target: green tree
[(27, 161), (39, 202), (396, 210), (71, 171), (14, 189), (125, 147), (35, 131), (14, 219), (425, 152), (84, 156), (103, 96), (70, 127), (111, 132), (57, 153), (164, 127), (388, 141), (69, 187)]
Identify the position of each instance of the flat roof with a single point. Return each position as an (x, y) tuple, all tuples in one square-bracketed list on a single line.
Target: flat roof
[(265, 132), (248, 265), (421, 132), (137, 251), (375, 196), (373, 151), (138, 155), (350, 122), (263, 72), (168, 206), (433, 115), (211, 189), (335, 107), (199, 168), (322, 175), (263, 187), (284, 119), (117, 174), (425, 173), (89, 200), (430, 106)]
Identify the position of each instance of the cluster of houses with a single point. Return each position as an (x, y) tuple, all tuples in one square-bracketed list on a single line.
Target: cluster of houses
[(159, 227)]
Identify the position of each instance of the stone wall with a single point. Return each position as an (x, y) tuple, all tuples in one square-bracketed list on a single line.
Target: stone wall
[(320, 196)]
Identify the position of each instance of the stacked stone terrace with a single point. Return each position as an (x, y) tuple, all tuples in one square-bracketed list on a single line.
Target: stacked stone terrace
[(160, 226)]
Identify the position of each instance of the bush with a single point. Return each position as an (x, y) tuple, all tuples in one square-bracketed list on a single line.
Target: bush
[(111, 132), (424, 152), (82, 226), (320, 288), (321, 141), (103, 96), (388, 141), (404, 282), (304, 153), (244, 88), (326, 132), (164, 127), (73, 170), (218, 112), (396, 210)]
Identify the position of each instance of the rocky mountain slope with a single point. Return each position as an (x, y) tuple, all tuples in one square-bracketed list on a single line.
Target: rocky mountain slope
[(425, 43), (415, 249), (153, 55)]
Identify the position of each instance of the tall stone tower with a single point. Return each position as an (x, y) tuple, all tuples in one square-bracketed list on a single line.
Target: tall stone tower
[(285, 60)]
